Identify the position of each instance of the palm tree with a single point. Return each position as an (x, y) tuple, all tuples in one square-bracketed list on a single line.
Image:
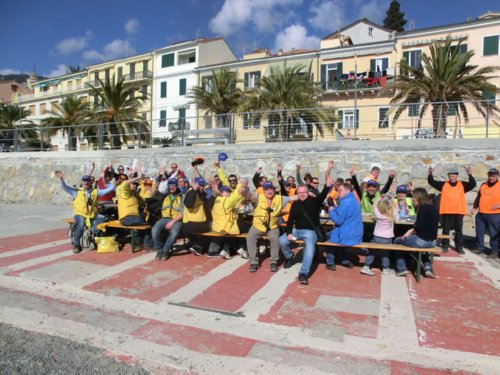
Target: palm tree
[(117, 112), (14, 126), (289, 99), (218, 95), (74, 69), (447, 79), (68, 118)]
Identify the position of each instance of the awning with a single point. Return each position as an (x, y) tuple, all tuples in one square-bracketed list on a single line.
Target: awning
[(303, 65), (188, 52), (48, 83)]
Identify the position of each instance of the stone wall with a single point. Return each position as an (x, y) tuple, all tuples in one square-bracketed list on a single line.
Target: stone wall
[(29, 177)]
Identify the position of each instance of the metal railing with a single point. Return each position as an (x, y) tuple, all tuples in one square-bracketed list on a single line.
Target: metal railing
[(374, 122)]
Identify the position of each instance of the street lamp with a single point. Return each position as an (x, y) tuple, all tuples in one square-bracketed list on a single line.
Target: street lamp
[(355, 93)]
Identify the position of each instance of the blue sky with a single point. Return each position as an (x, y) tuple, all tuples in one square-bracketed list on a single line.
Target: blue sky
[(52, 34)]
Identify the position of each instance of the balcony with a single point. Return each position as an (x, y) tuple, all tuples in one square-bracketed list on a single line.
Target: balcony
[(53, 92), (139, 76), (178, 125), (295, 132)]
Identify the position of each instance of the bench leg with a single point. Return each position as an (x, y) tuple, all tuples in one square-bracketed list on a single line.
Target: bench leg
[(132, 244), (419, 261)]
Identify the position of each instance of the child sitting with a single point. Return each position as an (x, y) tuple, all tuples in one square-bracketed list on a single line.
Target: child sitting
[(385, 214)]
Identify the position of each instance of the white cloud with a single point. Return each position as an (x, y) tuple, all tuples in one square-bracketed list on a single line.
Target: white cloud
[(295, 36), (114, 50), (328, 15), (374, 10), (132, 27), (72, 45), (10, 71), (59, 71), (263, 14)]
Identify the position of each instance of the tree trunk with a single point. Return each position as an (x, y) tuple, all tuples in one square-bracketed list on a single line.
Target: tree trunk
[(115, 138), (439, 119)]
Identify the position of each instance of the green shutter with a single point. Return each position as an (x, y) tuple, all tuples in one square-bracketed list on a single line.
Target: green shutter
[(490, 45), (339, 70), (490, 96), (163, 89), (373, 68), (163, 118), (413, 110), (452, 109), (463, 48), (340, 123), (182, 86), (246, 80), (323, 76), (167, 60), (357, 119)]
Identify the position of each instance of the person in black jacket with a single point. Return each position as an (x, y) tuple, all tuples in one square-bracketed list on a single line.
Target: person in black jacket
[(304, 215)]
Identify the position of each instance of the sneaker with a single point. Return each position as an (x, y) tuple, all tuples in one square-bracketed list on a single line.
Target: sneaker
[(402, 273), (196, 250), (213, 254), (492, 256), (460, 251), (242, 253), (348, 264), (388, 271), (476, 251), (444, 249), (367, 271), (303, 279), (289, 262), (330, 267), (77, 249), (274, 267), (225, 254), (158, 256), (429, 274), (165, 256), (254, 267)]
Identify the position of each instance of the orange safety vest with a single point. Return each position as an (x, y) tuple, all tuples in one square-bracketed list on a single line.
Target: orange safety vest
[(288, 206), (490, 195), (453, 199)]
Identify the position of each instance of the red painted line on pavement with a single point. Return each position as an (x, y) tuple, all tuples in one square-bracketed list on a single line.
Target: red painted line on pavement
[(196, 339), (403, 368), (14, 259), (155, 280), (234, 290), (28, 240), (297, 307), (459, 310)]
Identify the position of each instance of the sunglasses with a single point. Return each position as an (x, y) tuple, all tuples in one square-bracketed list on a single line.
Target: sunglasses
[(86, 178), (232, 180), (315, 182)]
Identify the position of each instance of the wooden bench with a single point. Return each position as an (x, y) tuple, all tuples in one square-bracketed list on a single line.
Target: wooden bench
[(362, 245), (132, 228)]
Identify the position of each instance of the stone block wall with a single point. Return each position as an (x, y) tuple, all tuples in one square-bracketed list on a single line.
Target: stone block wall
[(29, 177)]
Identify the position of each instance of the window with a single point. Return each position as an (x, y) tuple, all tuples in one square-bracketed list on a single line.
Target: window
[(331, 74), (96, 99), (490, 45), (207, 84), (96, 78), (163, 119), (120, 72), (413, 110), (182, 86), (132, 70), (379, 65), (106, 74), (32, 110), (452, 108), (413, 58), (251, 79), (186, 57), (251, 121), (370, 31), (163, 89), (54, 106), (182, 118), (489, 96), (132, 94), (43, 108), (208, 121), (346, 119), (383, 117), (167, 60), (144, 92), (145, 68)]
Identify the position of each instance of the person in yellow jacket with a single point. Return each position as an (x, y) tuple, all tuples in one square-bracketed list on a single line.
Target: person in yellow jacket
[(488, 217), (453, 205), (225, 219), (194, 216), (84, 205), (265, 222), (131, 205)]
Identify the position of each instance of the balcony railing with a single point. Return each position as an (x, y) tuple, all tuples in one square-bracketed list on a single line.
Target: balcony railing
[(52, 92), (138, 76)]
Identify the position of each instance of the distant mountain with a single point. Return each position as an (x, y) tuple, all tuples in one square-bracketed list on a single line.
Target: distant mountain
[(19, 78)]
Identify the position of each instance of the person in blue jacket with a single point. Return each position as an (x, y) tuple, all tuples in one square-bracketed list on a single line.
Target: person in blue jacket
[(348, 226)]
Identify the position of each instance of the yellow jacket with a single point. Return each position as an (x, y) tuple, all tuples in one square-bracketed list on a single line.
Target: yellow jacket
[(172, 206), (196, 213), (128, 201), (83, 206), (261, 216), (225, 219)]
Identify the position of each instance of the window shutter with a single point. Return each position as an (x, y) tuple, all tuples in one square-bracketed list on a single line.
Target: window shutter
[(357, 119), (385, 63), (339, 70), (490, 45), (341, 119), (182, 86), (163, 89), (163, 118), (246, 80), (373, 68), (463, 48), (323, 76), (167, 60)]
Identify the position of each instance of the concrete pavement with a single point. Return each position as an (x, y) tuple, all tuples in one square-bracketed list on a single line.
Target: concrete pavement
[(205, 315)]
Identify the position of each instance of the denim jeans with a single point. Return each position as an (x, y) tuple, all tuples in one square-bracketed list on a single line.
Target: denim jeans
[(413, 241), (144, 235), (492, 222), (310, 238), (79, 228), (370, 257), (341, 253), (158, 233)]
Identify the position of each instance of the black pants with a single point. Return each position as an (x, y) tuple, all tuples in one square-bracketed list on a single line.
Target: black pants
[(453, 222), (196, 227)]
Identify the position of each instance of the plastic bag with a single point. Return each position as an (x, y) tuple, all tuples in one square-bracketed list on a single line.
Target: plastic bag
[(107, 244)]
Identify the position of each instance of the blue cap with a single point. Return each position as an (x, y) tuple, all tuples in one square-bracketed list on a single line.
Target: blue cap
[(402, 189), (225, 188), (200, 181), (222, 156), (372, 183), (172, 181), (267, 185)]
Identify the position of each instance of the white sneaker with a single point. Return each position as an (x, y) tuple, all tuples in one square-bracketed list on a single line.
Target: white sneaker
[(242, 253), (367, 271), (224, 254), (388, 271)]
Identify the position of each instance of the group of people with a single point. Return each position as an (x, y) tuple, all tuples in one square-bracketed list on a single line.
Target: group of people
[(285, 212)]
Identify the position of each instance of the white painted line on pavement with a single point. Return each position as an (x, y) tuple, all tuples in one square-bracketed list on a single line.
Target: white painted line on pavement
[(34, 248), (34, 262)]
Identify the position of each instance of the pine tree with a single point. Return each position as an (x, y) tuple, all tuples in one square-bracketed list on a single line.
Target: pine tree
[(395, 18)]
